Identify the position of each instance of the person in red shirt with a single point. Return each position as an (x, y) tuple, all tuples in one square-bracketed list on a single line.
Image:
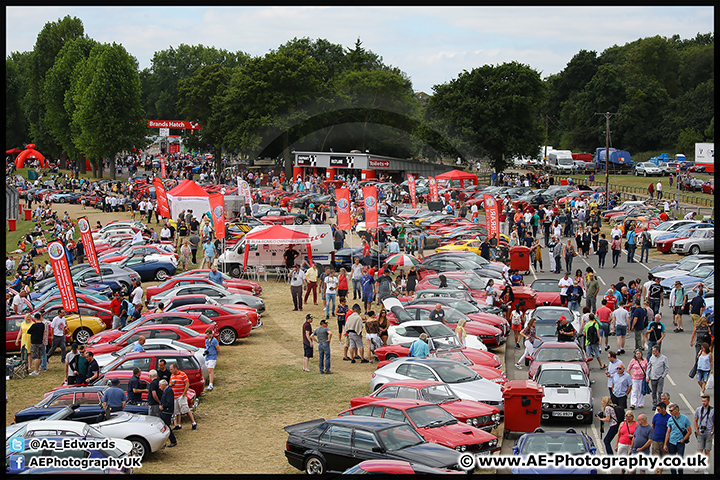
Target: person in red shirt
[(664, 217), (115, 309), (180, 384), (603, 315), (366, 248)]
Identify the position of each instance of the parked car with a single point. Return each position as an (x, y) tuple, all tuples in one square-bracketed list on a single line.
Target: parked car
[(195, 322), (701, 241), (702, 274), (346, 256), (151, 267), (668, 227), (396, 467), (173, 332), (432, 422), (80, 329), (685, 260), (567, 442), (566, 392), (84, 311), (548, 292), (647, 168), (220, 294), (231, 323), (552, 352), (463, 380), (183, 300), (547, 318), (108, 271), (281, 216), (469, 412), (182, 280), (231, 282), (684, 268), (319, 446), (151, 344), (709, 186), (471, 309)]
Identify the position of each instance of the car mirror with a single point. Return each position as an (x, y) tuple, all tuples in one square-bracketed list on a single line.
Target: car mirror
[(378, 449), (593, 450), (515, 450)]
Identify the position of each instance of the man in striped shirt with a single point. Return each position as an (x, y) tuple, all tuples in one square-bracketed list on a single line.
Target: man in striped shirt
[(180, 383)]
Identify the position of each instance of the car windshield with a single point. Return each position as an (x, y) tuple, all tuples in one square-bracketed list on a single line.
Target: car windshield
[(110, 366), (439, 330), (430, 416), (552, 314), (558, 355), (456, 355), (699, 233), (463, 307), (134, 324), (701, 272), (545, 329), (555, 443), (545, 286), (561, 378), (397, 438), (455, 373)]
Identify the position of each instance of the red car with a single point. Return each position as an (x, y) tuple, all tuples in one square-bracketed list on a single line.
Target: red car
[(397, 467), (492, 337), (253, 288), (173, 332), (179, 281), (81, 298), (665, 246), (548, 292), (489, 373), (193, 321), (478, 357), (549, 352), (431, 421), (576, 195), (470, 412), (709, 186), (231, 323), (465, 307), (181, 300), (148, 360)]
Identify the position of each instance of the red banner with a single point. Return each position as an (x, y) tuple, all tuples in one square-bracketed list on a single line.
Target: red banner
[(173, 148), (411, 188), (88, 243), (492, 215), (432, 185), (61, 269), (370, 202), (162, 201), (343, 208), (162, 167), (217, 209), (174, 124)]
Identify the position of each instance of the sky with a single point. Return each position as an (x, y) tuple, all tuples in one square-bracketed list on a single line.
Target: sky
[(432, 45)]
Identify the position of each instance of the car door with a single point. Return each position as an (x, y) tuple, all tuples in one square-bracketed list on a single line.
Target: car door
[(363, 443), (707, 242), (336, 446), (90, 406)]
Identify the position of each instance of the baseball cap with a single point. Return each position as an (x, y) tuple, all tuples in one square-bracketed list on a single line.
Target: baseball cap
[(323, 322), (562, 318), (308, 316)]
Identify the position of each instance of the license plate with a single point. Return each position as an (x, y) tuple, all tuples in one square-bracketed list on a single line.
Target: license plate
[(563, 414), (486, 452)]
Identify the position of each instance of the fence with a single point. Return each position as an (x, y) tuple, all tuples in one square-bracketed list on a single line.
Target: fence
[(626, 192), (12, 202)]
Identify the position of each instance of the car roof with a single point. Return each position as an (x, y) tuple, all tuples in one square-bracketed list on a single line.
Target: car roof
[(561, 366), (367, 422), (60, 424), (413, 383), (157, 353), (401, 403), (431, 361)]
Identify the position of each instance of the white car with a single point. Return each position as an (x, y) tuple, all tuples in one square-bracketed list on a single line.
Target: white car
[(701, 241), (547, 317), (145, 434), (647, 168), (686, 267), (156, 344), (566, 392), (463, 381), (667, 227)]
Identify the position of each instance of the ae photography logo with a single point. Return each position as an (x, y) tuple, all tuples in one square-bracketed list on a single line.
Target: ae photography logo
[(19, 462)]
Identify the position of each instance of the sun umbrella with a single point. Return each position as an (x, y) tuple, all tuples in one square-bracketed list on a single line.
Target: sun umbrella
[(402, 260)]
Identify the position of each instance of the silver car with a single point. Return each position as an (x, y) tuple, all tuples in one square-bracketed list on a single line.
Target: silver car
[(647, 168), (465, 382), (700, 241), (146, 434), (218, 293)]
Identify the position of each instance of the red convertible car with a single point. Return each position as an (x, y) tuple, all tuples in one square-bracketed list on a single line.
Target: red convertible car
[(181, 300), (433, 422), (193, 321), (548, 292), (179, 281), (470, 412), (231, 323), (173, 332), (253, 288)]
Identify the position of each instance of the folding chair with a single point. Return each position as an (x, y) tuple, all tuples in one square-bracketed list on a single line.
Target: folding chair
[(250, 272), (282, 274), (17, 368), (260, 270)]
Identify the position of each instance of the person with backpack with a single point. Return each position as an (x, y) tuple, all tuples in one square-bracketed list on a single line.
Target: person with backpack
[(630, 245), (616, 246), (656, 334), (678, 300), (612, 414), (645, 244), (592, 339)]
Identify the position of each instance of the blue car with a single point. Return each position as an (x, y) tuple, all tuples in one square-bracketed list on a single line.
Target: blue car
[(704, 274), (89, 411), (567, 442), (151, 267), (94, 289)]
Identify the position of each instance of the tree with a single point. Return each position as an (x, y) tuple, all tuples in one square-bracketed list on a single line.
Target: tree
[(687, 139), (106, 89), (491, 111), (16, 86)]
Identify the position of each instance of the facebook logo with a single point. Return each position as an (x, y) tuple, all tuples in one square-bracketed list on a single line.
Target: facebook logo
[(17, 462), (17, 444)]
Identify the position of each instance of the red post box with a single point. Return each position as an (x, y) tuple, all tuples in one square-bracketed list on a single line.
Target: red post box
[(11, 224), (523, 405), (520, 258), (28, 214)]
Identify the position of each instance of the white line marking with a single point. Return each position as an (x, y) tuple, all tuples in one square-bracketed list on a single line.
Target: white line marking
[(532, 270), (601, 280), (671, 380), (596, 434), (690, 407)]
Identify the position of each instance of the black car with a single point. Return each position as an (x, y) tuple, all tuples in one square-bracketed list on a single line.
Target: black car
[(346, 256), (319, 446)]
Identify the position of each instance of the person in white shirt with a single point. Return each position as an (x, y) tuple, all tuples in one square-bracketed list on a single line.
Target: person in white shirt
[(616, 232), (137, 293), (165, 233), (491, 293), (620, 316), (563, 285), (659, 191), (59, 329)]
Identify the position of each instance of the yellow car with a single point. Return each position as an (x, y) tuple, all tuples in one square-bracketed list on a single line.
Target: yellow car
[(466, 245), (79, 328)]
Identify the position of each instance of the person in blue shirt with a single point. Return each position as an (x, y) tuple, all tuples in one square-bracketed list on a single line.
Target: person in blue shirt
[(631, 246), (215, 276), (516, 279), (678, 431), (209, 253), (211, 344), (659, 424), (367, 283), (419, 347), (138, 347), (114, 397)]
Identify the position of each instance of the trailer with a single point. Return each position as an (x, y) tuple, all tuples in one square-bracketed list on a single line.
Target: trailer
[(618, 162)]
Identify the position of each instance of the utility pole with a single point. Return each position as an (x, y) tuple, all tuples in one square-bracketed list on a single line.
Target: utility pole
[(607, 116)]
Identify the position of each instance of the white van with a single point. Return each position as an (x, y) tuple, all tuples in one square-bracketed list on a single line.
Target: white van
[(323, 250), (560, 161)]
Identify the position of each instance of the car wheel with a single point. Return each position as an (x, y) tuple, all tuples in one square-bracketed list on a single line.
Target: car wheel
[(82, 335), (644, 174), (314, 465), (140, 447), (161, 275), (391, 356), (235, 272), (227, 336), (636, 173), (298, 221), (695, 250)]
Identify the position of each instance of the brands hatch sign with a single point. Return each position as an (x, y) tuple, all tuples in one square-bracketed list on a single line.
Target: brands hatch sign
[(174, 124)]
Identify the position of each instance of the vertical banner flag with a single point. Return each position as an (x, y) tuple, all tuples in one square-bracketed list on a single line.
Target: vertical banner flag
[(162, 167), (244, 190), (371, 212), (59, 262), (492, 217), (88, 243), (343, 208), (217, 208), (432, 185), (162, 201), (411, 188)]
